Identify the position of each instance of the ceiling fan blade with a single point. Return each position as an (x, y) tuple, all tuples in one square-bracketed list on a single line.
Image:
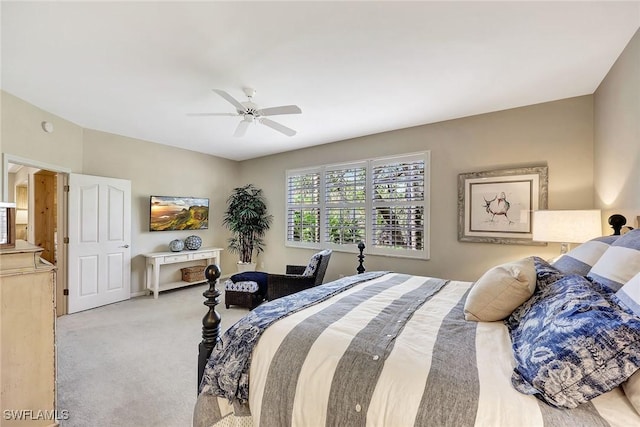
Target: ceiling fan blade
[(212, 114), (284, 109), (242, 128), (277, 126), (231, 100)]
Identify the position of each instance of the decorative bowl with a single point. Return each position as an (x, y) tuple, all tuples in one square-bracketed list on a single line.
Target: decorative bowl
[(176, 245), (193, 242)]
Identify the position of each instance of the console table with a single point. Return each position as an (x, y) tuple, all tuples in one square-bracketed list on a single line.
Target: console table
[(157, 259)]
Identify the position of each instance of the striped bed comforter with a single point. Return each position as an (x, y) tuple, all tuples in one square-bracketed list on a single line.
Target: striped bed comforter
[(392, 351)]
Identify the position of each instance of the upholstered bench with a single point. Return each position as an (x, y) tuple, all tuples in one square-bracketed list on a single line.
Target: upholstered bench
[(246, 289)]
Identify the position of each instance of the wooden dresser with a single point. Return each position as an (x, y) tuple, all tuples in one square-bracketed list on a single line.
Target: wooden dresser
[(27, 344)]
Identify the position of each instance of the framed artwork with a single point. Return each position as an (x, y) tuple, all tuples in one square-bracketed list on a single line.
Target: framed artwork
[(497, 206), (178, 213)]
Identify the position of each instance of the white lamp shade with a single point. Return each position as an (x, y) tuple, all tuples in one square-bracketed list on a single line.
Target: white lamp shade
[(571, 226)]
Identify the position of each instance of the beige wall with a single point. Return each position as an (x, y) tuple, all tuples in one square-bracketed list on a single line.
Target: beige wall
[(22, 135), (155, 169), (151, 168), (557, 134), (617, 136)]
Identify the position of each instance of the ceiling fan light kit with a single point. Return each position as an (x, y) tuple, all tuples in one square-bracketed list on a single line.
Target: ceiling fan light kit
[(251, 112), (249, 92)]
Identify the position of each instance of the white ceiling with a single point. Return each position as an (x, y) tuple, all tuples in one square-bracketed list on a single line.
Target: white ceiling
[(354, 68)]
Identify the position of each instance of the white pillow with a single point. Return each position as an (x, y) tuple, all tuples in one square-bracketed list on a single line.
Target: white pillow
[(580, 259), (501, 290), (619, 263)]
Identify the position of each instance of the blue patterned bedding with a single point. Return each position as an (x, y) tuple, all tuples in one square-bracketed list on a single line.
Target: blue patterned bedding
[(572, 340)]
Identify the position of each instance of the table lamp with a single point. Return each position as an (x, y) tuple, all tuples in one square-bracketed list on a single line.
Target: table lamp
[(566, 226)]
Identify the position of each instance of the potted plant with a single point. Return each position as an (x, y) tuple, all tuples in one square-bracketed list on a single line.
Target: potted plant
[(247, 219)]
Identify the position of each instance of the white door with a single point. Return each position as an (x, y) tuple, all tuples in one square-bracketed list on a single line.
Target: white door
[(99, 250)]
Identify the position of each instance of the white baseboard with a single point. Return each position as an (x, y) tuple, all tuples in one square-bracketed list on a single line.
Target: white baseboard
[(140, 293)]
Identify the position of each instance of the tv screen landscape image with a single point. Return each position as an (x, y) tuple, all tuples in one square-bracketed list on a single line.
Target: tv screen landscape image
[(178, 213)]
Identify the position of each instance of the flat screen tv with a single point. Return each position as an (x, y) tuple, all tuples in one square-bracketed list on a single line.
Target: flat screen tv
[(178, 213)]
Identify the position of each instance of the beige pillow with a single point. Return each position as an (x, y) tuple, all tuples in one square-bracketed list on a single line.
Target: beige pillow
[(631, 389), (500, 291)]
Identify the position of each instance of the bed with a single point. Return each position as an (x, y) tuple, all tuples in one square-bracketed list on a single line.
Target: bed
[(528, 344)]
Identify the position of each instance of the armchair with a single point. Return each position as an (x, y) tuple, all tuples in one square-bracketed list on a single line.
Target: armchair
[(298, 277)]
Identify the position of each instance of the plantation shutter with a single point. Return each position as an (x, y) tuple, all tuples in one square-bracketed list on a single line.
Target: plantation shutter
[(398, 205), (303, 207), (345, 204)]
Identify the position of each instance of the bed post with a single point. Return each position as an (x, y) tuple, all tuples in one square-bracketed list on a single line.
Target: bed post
[(210, 321), (360, 258), (616, 221)]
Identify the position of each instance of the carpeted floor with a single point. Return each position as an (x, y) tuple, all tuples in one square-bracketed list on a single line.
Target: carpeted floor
[(134, 363)]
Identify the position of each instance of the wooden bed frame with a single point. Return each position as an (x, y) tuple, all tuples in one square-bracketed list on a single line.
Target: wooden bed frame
[(211, 320)]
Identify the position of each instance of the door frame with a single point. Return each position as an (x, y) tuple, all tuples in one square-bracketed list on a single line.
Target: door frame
[(63, 180)]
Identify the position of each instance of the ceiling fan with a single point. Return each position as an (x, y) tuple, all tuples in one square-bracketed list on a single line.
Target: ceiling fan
[(250, 112)]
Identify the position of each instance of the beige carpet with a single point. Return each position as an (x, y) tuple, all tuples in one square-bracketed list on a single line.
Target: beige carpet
[(134, 363)]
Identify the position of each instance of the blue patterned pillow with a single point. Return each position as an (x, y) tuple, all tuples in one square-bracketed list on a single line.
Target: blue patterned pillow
[(574, 344), (314, 262), (546, 275), (580, 259), (619, 263), (629, 295), (248, 286)]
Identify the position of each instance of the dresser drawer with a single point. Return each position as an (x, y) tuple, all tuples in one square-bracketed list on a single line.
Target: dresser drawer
[(176, 258), (203, 255)]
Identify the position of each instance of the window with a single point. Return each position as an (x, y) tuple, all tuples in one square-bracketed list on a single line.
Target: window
[(398, 204), (345, 204), (303, 208), (383, 202)]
